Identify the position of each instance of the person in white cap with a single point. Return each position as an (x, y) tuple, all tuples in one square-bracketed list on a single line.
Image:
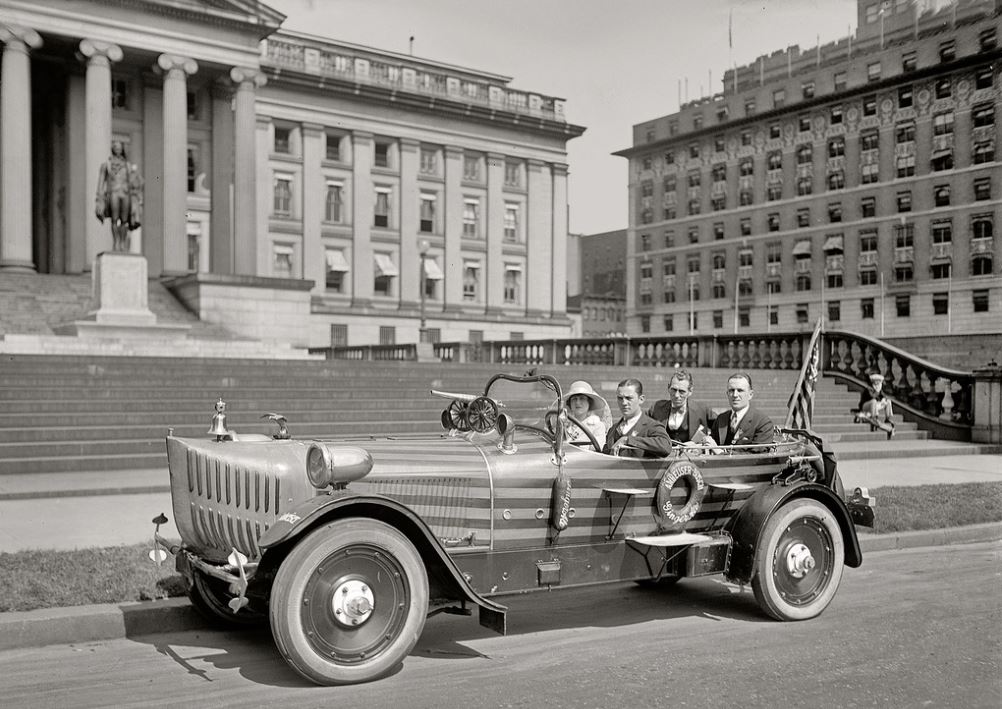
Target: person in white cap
[(875, 406), (590, 409)]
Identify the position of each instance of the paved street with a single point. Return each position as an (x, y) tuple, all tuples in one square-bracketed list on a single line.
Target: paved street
[(900, 633)]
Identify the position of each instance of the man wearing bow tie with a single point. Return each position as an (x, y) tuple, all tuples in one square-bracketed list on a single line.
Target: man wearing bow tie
[(742, 425), (636, 435)]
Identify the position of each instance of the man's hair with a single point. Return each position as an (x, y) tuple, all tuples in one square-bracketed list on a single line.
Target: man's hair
[(683, 375), (742, 375), (631, 382)]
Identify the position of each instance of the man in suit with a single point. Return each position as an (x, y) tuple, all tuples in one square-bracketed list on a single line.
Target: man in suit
[(742, 425), (635, 435), (682, 415)]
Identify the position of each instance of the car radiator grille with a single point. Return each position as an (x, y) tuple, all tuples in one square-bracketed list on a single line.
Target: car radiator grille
[(231, 506)]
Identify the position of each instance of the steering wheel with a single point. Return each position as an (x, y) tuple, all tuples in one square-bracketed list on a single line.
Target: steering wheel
[(482, 414), (586, 431)]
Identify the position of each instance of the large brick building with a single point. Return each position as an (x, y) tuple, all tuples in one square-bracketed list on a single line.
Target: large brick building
[(298, 188), (857, 181)]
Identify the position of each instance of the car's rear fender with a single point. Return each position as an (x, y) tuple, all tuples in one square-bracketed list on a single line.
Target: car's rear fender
[(445, 579), (746, 529)]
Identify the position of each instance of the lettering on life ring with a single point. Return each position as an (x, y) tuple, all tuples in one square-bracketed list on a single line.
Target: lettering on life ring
[(673, 517)]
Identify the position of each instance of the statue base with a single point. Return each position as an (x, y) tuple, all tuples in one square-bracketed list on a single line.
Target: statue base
[(121, 297)]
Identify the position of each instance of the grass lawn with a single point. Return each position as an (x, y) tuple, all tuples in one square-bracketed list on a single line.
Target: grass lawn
[(49, 579)]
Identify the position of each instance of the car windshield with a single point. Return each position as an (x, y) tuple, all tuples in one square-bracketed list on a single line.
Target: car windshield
[(525, 399)]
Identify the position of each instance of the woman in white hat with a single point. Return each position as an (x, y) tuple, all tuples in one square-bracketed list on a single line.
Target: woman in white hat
[(590, 409)]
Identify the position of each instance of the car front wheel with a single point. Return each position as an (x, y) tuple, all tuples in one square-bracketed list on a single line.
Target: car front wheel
[(799, 562), (349, 602)]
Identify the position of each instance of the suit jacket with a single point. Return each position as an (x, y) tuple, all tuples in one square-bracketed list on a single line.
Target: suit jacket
[(648, 439), (696, 413), (755, 427)]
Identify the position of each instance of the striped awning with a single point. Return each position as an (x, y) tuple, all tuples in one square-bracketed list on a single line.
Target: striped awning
[(431, 270), (833, 243), (336, 261), (802, 248), (385, 265)]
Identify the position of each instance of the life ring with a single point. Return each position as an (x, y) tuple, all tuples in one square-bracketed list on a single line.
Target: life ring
[(674, 518)]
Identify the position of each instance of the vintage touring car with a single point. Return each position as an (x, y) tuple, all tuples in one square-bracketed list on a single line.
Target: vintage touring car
[(346, 547)]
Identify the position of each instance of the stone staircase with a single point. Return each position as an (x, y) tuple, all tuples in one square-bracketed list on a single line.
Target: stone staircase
[(34, 306), (68, 414)]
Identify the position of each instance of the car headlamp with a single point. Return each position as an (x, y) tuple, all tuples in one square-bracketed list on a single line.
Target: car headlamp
[(330, 465)]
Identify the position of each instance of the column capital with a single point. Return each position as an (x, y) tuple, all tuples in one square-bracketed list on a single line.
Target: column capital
[(313, 127), (171, 63), (500, 157), (20, 36), (409, 144), (362, 136), (241, 75), (534, 164), (95, 50), (559, 168), (452, 151)]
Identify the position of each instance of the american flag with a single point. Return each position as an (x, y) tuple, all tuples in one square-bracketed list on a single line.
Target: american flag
[(801, 404)]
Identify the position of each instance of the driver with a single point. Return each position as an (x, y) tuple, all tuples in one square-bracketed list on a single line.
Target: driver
[(636, 435), (589, 409)]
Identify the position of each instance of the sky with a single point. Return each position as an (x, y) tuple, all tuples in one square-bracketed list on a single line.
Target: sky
[(617, 63)]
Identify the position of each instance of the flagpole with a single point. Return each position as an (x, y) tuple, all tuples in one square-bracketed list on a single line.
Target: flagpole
[(692, 309), (737, 288), (768, 309), (949, 299), (881, 303)]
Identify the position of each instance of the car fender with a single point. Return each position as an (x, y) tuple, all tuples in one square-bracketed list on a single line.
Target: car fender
[(281, 537), (749, 523)]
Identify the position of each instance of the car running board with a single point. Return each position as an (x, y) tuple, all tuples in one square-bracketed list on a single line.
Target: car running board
[(678, 539)]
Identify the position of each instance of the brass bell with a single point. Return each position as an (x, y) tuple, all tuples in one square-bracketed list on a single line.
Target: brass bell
[(218, 427)]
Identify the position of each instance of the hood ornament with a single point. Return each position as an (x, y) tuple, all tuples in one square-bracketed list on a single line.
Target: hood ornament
[(218, 427)]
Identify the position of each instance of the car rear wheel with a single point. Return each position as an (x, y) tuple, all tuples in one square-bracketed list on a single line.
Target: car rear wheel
[(799, 563), (349, 602), (211, 597)]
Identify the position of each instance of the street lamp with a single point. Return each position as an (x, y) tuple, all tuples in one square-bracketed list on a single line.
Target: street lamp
[(423, 246)]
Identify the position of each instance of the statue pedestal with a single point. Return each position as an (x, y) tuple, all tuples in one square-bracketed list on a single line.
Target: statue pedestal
[(121, 296)]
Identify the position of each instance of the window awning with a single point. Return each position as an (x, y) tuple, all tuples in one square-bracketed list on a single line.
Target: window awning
[(833, 243), (513, 267), (431, 270), (385, 265), (472, 264), (337, 262), (802, 248)]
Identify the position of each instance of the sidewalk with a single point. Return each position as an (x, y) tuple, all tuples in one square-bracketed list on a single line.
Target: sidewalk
[(79, 510)]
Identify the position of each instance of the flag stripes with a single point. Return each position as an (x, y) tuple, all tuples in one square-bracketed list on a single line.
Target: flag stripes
[(801, 404)]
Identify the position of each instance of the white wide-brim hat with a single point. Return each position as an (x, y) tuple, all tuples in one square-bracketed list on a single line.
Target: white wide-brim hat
[(584, 388)]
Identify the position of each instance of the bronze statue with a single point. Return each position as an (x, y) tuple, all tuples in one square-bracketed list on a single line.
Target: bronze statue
[(119, 196)]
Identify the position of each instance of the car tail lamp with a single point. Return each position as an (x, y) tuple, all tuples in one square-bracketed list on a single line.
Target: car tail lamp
[(331, 465)]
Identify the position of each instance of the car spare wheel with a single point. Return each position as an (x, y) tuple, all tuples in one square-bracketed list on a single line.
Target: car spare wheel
[(349, 602), (799, 562)]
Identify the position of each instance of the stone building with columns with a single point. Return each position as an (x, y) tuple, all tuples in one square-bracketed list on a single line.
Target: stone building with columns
[(297, 188)]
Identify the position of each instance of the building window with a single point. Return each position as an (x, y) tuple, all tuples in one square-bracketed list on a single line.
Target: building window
[(984, 78), (941, 195), (385, 272), (282, 260), (904, 201), (337, 267), (873, 71), (903, 305), (283, 140), (805, 154), (774, 192), (718, 144), (428, 164), (867, 277), (694, 206), (512, 284), (986, 40), (471, 168), (381, 156), (745, 138), (942, 231), (669, 323), (803, 313), (718, 231), (774, 131), (834, 311), (947, 50), (471, 281), (868, 207), (903, 273), (868, 242), (939, 271), (982, 227), (512, 174), (381, 211), (778, 98), (982, 188), (866, 308), (282, 203), (836, 147), (339, 335), (905, 96), (719, 290), (871, 173), (387, 335), (669, 238), (835, 212), (745, 226), (839, 80), (333, 202), (718, 202), (803, 282), (836, 180), (120, 94), (943, 161), (511, 226), (645, 242), (427, 216), (983, 152), (981, 265), (697, 122), (983, 115), (943, 88), (803, 218), (749, 107), (836, 116), (905, 165), (979, 301), (834, 280), (646, 163), (942, 123), (332, 147), (192, 174), (807, 89), (804, 123), (694, 151), (774, 160), (905, 132), (908, 62), (718, 319), (870, 105), (471, 218), (870, 140)]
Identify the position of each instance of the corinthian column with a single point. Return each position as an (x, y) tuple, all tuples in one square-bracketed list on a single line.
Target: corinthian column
[(15, 146), (175, 71), (97, 136), (245, 234)]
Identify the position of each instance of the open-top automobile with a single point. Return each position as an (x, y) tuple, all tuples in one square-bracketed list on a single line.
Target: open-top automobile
[(347, 546)]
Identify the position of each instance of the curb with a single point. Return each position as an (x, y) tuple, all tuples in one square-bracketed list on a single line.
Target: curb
[(81, 624)]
